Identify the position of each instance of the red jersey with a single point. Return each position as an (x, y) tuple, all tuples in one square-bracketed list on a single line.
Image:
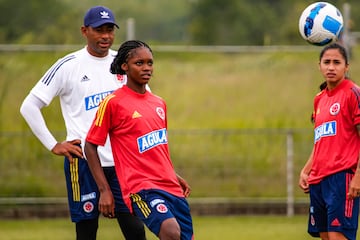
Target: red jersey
[(336, 139), (137, 126)]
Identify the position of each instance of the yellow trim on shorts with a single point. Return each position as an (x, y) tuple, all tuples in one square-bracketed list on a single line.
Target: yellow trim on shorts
[(74, 175), (144, 208)]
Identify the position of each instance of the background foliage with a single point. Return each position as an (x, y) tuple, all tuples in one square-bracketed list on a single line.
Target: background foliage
[(227, 114), (207, 91), (204, 22)]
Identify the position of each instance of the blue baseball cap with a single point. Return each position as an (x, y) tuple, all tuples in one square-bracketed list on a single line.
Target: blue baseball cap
[(99, 15)]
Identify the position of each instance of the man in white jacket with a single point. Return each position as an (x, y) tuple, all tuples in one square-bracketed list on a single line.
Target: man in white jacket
[(81, 80)]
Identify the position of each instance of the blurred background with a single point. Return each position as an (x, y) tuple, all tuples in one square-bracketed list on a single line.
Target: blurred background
[(238, 79), (190, 22)]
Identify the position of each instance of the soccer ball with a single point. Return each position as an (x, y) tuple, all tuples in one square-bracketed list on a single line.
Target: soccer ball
[(321, 23)]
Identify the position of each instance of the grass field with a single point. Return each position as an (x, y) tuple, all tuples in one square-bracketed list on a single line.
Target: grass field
[(209, 228)]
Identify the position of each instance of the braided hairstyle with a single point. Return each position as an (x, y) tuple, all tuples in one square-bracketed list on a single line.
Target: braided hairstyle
[(124, 52)]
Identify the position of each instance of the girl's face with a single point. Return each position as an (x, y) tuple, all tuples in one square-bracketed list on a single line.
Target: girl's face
[(139, 67), (333, 67)]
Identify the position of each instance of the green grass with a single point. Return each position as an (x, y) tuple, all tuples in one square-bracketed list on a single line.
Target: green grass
[(209, 228)]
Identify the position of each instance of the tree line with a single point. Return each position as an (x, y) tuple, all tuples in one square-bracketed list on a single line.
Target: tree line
[(201, 22)]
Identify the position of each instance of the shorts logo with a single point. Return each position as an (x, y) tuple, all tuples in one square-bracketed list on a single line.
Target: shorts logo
[(324, 130), (151, 140), (156, 201), (335, 109), (88, 207), (94, 100), (161, 208), (335, 223), (312, 220), (311, 209), (88, 196)]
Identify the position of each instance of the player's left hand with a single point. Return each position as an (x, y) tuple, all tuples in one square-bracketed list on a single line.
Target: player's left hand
[(354, 188), (184, 185)]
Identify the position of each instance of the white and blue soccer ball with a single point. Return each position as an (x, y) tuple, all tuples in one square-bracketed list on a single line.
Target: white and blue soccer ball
[(321, 23)]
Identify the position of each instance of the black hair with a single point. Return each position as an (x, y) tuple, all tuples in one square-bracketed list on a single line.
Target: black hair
[(322, 85), (338, 46), (343, 53), (123, 54)]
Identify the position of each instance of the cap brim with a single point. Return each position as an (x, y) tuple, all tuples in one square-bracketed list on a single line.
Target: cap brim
[(100, 23)]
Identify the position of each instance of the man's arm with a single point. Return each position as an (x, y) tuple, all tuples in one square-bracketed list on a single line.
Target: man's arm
[(31, 111)]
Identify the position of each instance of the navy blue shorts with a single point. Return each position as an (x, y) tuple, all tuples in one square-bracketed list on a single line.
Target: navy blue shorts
[(120, 206), (83, 194), (154, 206), (330, 209)]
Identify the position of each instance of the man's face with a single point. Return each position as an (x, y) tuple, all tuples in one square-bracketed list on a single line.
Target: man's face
[(100, 39)]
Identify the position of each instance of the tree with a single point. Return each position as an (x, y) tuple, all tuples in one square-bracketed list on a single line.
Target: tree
[(29, 20), (237, 21)]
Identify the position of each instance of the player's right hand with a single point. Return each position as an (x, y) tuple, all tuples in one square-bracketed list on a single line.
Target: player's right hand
[(303, 183), (107, 204), (69, 149)]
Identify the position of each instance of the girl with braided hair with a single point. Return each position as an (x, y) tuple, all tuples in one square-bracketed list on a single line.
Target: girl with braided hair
[(135, 120)]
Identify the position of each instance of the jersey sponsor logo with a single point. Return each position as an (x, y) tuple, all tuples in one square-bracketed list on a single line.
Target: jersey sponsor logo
[(88, 196), (151, 140), (335, 109), (88, 207), (324, 130), (94, 100)]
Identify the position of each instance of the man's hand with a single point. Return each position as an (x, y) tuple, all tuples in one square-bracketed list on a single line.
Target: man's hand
[(69, 149)]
